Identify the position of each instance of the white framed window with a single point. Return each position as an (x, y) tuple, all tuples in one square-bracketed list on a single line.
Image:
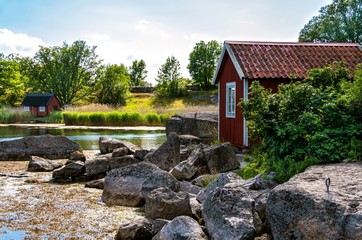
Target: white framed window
[(27, 108), (230, 99), (41, 109)]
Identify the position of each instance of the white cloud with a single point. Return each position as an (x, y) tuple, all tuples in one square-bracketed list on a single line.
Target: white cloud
[(18, 43)]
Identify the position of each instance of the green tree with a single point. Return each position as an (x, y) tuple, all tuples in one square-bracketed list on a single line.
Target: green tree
[(66, 71), (304, 123), (113, 85), (340, 21), (169, 80), (11, 86), (138, 73), (203, 61)]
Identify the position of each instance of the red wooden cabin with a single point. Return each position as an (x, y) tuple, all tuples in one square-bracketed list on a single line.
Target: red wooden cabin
[(270, 63), (40, 104)]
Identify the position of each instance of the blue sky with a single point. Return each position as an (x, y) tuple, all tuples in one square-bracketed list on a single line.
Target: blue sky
[(125, 30)]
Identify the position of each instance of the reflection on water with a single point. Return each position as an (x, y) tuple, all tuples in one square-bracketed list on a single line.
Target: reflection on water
[(88, 138)]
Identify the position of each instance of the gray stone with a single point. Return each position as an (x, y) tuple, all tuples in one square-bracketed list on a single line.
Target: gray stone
[(141, 228), (107, 145), (167, 155), (97, 167), (166, 204), (181, 228), (183, 171), (220, 181), (221, 158), (188, 139), (201, 125), (122, 161), (120, 152), (302, 208), (77, 156), (70, 171), (128, 185), (45, 146), (228, 212), (140, 154), (98, 183), (38, 164)]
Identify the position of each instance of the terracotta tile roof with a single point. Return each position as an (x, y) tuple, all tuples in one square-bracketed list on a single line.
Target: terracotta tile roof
[(282, 60)]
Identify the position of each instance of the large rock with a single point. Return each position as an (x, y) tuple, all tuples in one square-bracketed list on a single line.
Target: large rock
[(167, 155), (166, 204), (221, 158), (228, 212), (70, 171), (107, 145), (181, 228), (46, 146), (201, 125), (141, 228), (127, 186), (302, 208), (98, 167), (38, 164), (194, 166)]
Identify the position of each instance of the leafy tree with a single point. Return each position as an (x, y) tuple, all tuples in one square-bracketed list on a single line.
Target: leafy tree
[(11, 86), (65, 71), (340, 21), (113, 85), (202, 62), (138, 73), (304, 123), (169, 80)]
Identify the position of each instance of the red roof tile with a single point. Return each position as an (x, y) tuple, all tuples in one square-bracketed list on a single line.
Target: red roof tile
[(282, 60)]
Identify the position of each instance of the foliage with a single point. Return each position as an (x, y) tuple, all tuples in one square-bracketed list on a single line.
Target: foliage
[(113, 85), (202, 62), (12, 89), (14, 115), (305, 123), (169, 81), (114, 118), (65, 70), (340, 21), (138, 73)]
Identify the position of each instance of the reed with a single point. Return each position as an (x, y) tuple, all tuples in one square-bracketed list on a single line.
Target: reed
[(14, 115)]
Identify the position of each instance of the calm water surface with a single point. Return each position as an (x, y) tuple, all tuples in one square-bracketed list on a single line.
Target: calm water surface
[(88, 138)]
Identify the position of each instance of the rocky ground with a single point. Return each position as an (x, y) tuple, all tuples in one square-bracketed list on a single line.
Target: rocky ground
[(33, 208)]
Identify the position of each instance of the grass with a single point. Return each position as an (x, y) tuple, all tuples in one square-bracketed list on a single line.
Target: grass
[(14, 115), (141, 109)]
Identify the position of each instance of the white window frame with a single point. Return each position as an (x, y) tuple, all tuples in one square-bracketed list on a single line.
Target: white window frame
[(41, 108), (230, 99), (26, 108)]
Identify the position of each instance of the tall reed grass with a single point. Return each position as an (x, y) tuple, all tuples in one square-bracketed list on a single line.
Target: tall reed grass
[(14, 115), (114, 118)]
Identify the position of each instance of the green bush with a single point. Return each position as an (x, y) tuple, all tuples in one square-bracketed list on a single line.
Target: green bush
[(305, 123)]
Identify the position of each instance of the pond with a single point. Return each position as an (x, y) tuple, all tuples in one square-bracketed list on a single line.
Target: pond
[(88, 137)]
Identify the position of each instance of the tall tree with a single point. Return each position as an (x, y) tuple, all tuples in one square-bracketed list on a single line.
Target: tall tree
[(169, 81), (66, 70), (340, 21), (202, 62), (138, 73), (11, 86), (114, 85)]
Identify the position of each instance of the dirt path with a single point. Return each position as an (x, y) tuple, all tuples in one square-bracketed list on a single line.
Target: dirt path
[(32, 208)]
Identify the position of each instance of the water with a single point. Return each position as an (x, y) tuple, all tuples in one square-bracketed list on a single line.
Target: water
[(88, 138), (6, 233)]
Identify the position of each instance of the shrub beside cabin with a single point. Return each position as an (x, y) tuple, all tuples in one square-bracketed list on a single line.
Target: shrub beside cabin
[(270, 63), (41, 105)]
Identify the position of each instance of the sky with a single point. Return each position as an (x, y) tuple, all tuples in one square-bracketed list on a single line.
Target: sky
[(152, 30)]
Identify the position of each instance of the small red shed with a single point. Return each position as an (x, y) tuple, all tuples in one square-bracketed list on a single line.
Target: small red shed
[(41, 104), (270, 63)]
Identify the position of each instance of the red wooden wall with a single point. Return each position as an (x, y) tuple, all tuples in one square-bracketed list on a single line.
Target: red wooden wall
[(230, 129)]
